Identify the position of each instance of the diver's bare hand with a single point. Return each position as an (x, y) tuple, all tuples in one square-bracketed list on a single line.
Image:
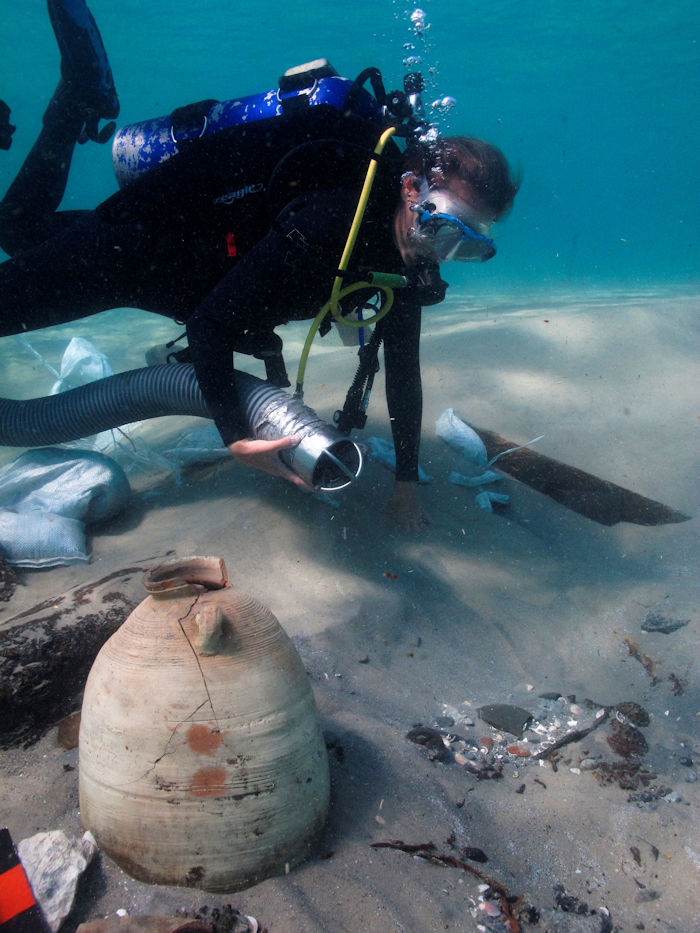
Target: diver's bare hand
[(405, 509), (264, 455)]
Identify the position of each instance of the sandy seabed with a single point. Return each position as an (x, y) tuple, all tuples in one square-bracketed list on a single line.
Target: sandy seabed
[(481, 608)]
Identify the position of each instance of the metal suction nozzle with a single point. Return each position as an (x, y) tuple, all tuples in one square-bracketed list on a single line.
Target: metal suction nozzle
[(325, 461)]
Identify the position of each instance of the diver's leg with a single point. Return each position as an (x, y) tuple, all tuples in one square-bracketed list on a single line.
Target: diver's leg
[(59, 280), (6, 128), (84, 65), (90, 267), (85, 94), (28, 210)]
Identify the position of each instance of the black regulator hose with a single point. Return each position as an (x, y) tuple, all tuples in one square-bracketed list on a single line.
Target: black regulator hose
[(324, 457)]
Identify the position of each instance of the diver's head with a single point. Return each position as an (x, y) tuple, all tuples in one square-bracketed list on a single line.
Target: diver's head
[(452, 191)]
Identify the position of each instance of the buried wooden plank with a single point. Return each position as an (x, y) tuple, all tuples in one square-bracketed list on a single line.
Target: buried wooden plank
[(597, 499), (46, 652)]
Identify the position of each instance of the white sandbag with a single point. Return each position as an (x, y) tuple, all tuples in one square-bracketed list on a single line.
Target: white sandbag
[(41, 539), (460, 437), (79, 484), (82, 362)]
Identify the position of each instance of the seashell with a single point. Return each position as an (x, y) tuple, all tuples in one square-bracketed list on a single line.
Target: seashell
[(520, 750), (490, 909)]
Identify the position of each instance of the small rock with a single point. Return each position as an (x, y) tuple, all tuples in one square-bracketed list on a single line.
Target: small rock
[(626, 740), (431, 740), (54, 864), (655, 622), (444, 722), (512, 719), (690, 776), (632, 712), (474, 854), (648, 894)]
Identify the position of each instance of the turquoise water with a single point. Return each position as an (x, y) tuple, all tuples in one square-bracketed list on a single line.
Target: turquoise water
[(596, 104)]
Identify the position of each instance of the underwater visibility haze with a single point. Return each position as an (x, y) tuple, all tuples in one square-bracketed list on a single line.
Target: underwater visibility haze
[(580, 336), (595, 104)]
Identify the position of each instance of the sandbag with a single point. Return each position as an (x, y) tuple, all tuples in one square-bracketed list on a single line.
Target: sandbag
[(41, 539), (48, 496), (81, 484)]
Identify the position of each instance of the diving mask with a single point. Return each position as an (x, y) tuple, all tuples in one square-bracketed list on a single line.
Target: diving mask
[(446, 235)]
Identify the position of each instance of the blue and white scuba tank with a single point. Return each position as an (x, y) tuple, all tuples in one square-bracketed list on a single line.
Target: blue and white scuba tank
[(139, 147)]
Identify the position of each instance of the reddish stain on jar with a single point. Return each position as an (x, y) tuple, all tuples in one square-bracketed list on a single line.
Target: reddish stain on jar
[(203, 740), (209, 782)]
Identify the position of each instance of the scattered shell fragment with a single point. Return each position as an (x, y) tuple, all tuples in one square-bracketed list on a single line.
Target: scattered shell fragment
[(521, 751), (490, 909)]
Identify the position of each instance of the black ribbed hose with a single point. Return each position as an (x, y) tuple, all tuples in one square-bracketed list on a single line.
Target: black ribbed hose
[(331, 462)]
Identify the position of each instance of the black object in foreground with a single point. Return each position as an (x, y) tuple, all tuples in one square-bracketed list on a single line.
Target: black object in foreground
[(590, 496)]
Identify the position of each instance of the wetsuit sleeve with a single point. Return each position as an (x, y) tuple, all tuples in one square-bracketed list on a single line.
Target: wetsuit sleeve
[(243, 299), (211, 351), (403, 382), (287, 275)]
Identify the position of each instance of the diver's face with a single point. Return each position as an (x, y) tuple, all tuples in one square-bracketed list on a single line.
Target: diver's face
[(442, 223)]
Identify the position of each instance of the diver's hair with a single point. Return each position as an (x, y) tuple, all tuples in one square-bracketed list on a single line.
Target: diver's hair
[(475, 161)]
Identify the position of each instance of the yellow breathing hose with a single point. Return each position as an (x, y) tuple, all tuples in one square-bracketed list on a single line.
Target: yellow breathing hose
[(385, 283)]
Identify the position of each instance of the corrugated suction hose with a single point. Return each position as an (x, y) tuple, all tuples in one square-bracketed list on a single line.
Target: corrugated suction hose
[(325, 458)]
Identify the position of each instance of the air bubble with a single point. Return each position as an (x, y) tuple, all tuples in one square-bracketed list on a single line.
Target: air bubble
[(443, 104), (418, 20)]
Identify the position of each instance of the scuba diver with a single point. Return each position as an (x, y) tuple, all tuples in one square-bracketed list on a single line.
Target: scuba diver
[(239, 231)]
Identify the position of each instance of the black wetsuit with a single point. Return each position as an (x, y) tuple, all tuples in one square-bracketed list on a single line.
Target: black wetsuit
[(228, 240)]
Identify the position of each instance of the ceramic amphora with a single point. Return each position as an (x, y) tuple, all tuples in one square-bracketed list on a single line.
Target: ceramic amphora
[(202, 761)]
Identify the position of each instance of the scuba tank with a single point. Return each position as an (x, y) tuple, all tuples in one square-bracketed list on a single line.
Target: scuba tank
[(141, 146), (270, 134)]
